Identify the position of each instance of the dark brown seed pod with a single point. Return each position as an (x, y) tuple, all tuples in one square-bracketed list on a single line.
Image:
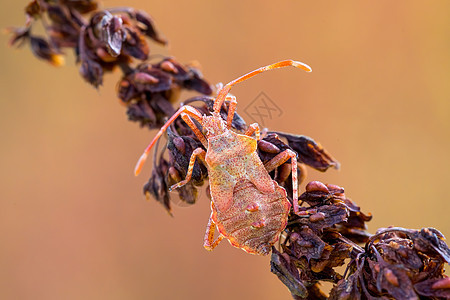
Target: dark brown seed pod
[(310, 152), (316, 186)]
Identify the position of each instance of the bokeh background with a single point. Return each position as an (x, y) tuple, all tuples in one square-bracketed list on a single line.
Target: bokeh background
[(73, 221)]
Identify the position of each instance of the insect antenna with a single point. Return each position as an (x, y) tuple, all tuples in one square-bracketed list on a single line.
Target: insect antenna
[(281, 64)]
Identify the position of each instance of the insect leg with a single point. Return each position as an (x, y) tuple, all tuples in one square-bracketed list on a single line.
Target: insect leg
[(253, 128), (231, 109), (197, 152), (209, 242), (280, 159), (187, 110), (195, 129)]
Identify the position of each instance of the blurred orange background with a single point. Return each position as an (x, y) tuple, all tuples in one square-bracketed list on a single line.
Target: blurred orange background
[(73, 221)]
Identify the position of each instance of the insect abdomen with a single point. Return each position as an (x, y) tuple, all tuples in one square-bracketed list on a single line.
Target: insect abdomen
[(255, 220)]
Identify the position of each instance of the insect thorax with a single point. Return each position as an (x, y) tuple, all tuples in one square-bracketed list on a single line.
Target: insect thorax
[(214, 125)]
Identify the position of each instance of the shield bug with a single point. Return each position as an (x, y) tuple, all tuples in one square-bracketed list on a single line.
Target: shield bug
[(249, 209)]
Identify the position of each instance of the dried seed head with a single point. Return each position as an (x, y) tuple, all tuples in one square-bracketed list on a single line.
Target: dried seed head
[(434, 288), (156, 186), (288, 273), (442, 284), (33, 9), (41, 48), (92, 72), (169, 67), (283, 173), (294, 236), (147, 26), (174, 175), (102, 41), (390, 277), (180, 145), (144, 78), (309, 152), (268, 147), (148, 91), (111, 33), (320, 216), (316, 186), (377, 268), (394, 245)]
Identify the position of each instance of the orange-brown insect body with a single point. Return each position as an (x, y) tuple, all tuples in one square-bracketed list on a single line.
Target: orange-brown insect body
[(249, 209)]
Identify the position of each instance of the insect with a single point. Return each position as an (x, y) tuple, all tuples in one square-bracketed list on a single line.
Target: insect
[(249, 209)]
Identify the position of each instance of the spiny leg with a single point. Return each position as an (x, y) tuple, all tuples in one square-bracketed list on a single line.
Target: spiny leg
[(201, 155), (280, 159), (253, 128), (209, 242), (187, 110)]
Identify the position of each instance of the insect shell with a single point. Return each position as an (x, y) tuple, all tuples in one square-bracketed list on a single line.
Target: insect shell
[(248, 208)]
